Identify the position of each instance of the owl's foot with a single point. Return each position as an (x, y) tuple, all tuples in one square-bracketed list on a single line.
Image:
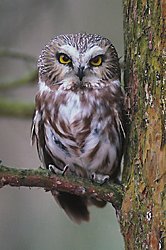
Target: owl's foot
[(53, 169), (99, 178)]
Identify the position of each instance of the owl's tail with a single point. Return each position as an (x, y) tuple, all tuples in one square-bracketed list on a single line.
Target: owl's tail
[(76, 207)]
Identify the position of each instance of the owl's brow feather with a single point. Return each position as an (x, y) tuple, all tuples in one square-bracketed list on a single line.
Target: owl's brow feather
[(81, 41)]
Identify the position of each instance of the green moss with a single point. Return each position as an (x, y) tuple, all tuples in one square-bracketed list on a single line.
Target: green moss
[(144, 78), (15, 109)]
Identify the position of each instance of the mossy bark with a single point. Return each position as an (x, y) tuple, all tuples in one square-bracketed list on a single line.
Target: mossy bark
[(143, 221)]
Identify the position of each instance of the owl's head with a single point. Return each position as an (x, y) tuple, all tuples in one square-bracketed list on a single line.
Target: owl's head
[(79, 61)]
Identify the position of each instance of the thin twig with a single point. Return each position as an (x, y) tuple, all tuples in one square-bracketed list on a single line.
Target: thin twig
[(5, 52), (26, 79), (16, 109)]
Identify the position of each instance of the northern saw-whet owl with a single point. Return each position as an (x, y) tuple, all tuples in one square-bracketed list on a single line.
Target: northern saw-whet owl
[(78, 121)]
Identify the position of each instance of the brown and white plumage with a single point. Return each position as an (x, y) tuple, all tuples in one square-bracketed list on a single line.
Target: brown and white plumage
[(79, 113)]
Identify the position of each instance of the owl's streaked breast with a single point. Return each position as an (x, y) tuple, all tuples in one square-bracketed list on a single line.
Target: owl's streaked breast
[(79, 132)]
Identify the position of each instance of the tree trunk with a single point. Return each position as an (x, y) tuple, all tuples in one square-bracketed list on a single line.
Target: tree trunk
[(144, 205)]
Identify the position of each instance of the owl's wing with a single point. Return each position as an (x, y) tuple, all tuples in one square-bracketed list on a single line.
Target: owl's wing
[(37, 134), (33, 135), (74, 206)]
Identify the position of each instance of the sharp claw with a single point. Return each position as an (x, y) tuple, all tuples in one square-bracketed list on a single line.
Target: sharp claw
[(99, 178), (65, 169), (41, 167), (93, 176), (106, 178), (53, 169)]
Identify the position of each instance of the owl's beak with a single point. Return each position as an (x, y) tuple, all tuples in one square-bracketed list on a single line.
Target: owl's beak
[(80, 73)]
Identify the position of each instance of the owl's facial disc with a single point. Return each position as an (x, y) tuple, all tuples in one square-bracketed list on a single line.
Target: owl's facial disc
[(82, 68), (78, 61)]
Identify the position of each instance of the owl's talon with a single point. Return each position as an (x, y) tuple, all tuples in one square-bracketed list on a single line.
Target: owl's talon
[(41, 167), (65, 169), (53, 169), (99, 178)]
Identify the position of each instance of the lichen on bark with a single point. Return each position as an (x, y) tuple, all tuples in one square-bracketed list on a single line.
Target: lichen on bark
[(143, 208)]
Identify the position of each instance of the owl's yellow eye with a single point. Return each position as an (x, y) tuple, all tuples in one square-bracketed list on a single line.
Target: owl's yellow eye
[(63, 58), (96, 61)]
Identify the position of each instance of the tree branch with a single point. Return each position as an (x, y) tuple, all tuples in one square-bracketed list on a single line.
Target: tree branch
[(109, 192), (26, 79), (16, 109), (6, 52)]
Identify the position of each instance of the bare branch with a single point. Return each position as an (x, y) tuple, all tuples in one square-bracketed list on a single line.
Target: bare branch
[(6, 52), (109, 192), (26, 79), (15, 109)]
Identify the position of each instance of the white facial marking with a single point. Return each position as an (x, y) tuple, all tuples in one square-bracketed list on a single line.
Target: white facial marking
[(94, 51), (70, 50), (81, 59), (116, 82), (43, 87)]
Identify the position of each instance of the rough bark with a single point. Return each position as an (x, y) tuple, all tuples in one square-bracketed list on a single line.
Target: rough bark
[(143, 221)]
